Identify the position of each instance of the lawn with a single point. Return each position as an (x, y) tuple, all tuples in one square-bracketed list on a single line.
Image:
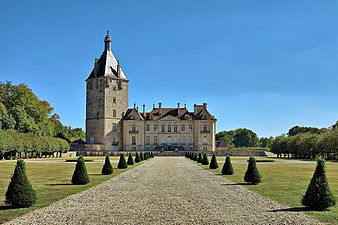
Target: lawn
[(285, 181), (51, 180)]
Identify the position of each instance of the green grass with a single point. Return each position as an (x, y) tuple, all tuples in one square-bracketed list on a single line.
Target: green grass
[(75, 160), (285, 181), (51, 178)]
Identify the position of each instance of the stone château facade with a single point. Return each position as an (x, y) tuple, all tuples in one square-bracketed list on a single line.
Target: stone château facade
[(110, 125)]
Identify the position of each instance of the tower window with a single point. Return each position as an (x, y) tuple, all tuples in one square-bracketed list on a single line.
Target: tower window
[(133, 140), (147, 127), (114, 127), (114, 113), (114, 99), (114, 88), (205, 128)]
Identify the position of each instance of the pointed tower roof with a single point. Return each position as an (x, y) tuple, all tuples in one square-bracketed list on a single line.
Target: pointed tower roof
[(107, 65)]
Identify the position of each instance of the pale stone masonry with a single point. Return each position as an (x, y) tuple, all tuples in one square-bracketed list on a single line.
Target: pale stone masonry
[(110, 125)]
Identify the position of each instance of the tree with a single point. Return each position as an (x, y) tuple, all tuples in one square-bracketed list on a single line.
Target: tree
[(130, 160), (107, 167), (20, 192), (199, 160), (122, 163), (195, 157), (226, 136), (245, 138), (252, 174), (227, 167), (299, 130), (141, 156), (318, 195), (205, 160), (213, 162), (80, 175), (137, 158)]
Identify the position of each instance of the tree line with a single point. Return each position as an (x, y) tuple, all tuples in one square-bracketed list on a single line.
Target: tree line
[(27, 126)]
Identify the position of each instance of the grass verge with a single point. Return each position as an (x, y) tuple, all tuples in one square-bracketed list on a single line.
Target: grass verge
[(51, 179), (285, 181)]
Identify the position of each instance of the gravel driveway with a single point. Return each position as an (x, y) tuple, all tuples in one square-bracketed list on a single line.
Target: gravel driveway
[(167, 190)]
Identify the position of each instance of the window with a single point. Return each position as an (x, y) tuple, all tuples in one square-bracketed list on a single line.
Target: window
[(205, 128), (114, 99), (169, 128), (147, 140), (133, 140), (183, 140), (114, 113), (133, 128), (133, 148), (183, 127), (190, 140), (114, 88), (175, 128), (155, 140), (205, 148), (190, 127), (162, 128), (147, 127), (155, 127), (114, 127)]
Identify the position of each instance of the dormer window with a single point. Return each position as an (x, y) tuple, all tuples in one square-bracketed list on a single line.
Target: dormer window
[(186, 117)]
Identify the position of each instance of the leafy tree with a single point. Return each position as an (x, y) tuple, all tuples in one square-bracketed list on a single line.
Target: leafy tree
[(199, 160), (205, 160), (122, 163), (20, 192), (213, 162), (80, 175), (137, 158), (245, 138), (265, 142), (227, 167), (107, 167), (130, 160), (298, 130), (226, 136), (252, 174), (318, 195)]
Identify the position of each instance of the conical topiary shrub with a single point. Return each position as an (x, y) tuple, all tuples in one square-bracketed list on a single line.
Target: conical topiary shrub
[(122, 163), (195, 157), (227, 167), (141, 156), (205, 160), (152, 155), (213, 162), (80, 175), (137, 158), (318, 195), (107, 167), (130, 160), (252, 174), (199, 159), (20, 192)]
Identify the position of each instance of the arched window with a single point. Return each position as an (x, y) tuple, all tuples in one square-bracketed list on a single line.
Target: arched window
[(169, 128), (175, 128), (162, 128), (205, 128), (133, 140)]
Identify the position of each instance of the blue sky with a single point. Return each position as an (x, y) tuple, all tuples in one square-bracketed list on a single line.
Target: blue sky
[(262, 65)]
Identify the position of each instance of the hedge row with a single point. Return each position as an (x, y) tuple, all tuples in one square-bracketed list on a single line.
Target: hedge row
[(27, 145)]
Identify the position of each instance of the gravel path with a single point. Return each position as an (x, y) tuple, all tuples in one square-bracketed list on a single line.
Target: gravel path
[(168, 190)]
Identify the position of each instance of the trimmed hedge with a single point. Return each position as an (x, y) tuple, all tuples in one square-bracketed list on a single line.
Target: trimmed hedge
[(80, 175)]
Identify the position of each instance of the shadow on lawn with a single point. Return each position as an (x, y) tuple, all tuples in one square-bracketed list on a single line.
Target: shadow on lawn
[(237, 184), (295, 209), (6, 207), (65, 184)]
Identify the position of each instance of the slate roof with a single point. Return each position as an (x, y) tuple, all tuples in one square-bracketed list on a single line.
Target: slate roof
[(107, 65), (154, 114)]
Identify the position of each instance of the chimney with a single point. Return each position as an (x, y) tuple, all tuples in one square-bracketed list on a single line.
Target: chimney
[(205, 105), (159, 108), (144, 109), (185, 105), (153, 106), (134, 105), (118, 69), (137, 108), (178, 108)]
